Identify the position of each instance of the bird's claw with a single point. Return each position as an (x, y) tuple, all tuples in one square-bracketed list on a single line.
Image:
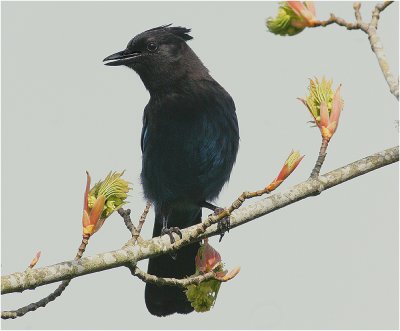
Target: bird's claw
[(224, 224), (170, 231)]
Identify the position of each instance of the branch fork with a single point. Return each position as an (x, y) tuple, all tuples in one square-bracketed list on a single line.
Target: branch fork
[(371, 30)]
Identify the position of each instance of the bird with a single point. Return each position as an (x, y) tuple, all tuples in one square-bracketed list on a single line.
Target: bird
[(189, 143)]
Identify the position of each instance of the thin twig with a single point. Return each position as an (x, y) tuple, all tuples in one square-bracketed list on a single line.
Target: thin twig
[(376, 12), (135, 232), (126, 215), (52, 296), (376, 44), (194, 279), (222, 276), (170, 281), (333, 19), (35, 305), (321, 158), (357, 13), (213, 219), (377, 48), (142, 220), (60, 289), (20, 281)]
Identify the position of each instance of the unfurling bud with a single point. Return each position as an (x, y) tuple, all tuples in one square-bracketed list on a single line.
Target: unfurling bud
[(35, 260), (202, 296), (292, 18), (207, 258), (102, 200), (224, 276), (324, 105), (291, 163)]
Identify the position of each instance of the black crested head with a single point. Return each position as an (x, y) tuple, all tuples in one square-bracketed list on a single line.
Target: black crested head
[(160, 56), (179, 31)]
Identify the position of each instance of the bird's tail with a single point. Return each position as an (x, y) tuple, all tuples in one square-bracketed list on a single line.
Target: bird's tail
[(166, 300)]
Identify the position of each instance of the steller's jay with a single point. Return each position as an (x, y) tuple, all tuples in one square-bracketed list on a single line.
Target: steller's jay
[(190, 139)]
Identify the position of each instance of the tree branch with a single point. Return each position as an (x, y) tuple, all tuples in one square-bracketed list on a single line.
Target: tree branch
[(52, 296), (321, 158), (376, 44), (130, 254), (376, 12), (377, 48), (333, 19), (357, 13), (147, 278), (126, 216), (141, 221)]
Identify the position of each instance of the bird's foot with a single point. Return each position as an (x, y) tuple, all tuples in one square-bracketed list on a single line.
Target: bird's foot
[(169, 232), (224, 224)]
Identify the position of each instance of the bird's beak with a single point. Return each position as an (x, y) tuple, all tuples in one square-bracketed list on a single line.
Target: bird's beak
[(121, 58)]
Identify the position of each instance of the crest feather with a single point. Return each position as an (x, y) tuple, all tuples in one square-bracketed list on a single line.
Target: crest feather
[(178, 31)]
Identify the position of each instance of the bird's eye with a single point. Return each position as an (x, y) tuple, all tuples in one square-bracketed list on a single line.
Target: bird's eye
[(152, 46)]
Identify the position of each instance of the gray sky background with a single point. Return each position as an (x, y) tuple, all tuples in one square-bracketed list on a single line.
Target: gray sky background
[(328, 262)]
